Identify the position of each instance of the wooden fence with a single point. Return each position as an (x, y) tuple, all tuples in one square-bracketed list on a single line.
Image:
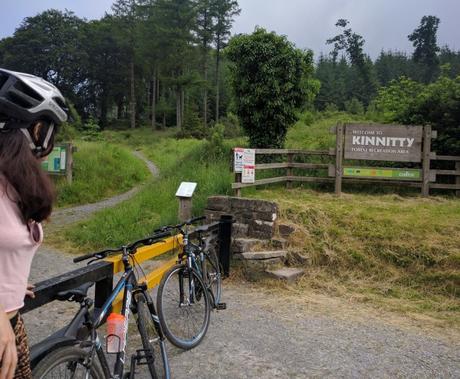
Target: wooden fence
[(335, 171), (102, 273)]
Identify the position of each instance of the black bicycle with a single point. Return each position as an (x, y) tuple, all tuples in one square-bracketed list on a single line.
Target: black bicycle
[(84, 357), (190, 289)]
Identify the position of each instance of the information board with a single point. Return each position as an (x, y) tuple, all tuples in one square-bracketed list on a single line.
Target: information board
[(396, 143), (55, 162), (238, 153), (249, 166), (383, 173)]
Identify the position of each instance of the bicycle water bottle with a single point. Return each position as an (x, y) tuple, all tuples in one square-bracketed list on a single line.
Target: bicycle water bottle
[(115, 333)]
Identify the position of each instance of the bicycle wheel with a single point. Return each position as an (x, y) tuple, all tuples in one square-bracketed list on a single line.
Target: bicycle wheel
[(183, 307), (158, 361), (213, 275), (66, 362)]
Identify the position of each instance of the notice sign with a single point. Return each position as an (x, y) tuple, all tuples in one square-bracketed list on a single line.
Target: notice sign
[(238, 153), (249, 166), (55, 162), (395, 143), (383, 173)]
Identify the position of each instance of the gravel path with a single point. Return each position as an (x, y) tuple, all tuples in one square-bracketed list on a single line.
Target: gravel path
[(68, 216), (263, 335)]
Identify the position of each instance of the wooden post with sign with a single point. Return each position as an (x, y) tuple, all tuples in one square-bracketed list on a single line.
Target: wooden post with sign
[(238, 180), (184, 194), (69, 163), (426, 160), (338, 159)]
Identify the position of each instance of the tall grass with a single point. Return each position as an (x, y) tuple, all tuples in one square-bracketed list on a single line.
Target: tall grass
[(156, 204), (100, 170)]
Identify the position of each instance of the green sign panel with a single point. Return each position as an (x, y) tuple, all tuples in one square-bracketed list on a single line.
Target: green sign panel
[(55, 162), (383, 173)]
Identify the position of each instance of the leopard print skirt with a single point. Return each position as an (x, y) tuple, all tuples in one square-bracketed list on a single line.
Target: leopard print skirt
[(23, 370)]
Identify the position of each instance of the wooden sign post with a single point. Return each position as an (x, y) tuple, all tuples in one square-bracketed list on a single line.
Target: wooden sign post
[(184, 194)]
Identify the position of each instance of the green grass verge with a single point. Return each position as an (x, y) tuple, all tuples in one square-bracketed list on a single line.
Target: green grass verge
[(156, 204), (100, 170), (401, 252)]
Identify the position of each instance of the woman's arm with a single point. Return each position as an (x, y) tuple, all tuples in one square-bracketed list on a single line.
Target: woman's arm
[(8, 353)]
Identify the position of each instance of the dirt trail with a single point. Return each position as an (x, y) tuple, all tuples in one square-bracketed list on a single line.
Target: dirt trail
[(266, 335)]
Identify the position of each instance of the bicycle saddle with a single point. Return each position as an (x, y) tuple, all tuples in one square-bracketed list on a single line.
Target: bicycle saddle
[(75, 294)]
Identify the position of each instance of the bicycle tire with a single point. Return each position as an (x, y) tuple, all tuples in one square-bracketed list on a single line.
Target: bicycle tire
[(175, 318), (213, 274), (68, 358), (159, 368)]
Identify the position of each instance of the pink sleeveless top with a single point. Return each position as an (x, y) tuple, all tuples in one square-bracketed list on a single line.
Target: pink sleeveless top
[(18, 244)]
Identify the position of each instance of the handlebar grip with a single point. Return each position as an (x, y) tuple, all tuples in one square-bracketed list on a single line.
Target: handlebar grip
[(83, 257)]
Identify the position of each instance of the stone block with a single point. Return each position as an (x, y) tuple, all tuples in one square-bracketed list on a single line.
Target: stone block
[(286, 230), (289, 274), (261, 229), (219, 203), (243, 245), (239, 230), (263, 255)]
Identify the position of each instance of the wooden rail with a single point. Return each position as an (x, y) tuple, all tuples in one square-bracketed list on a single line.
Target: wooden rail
[(338, 172)]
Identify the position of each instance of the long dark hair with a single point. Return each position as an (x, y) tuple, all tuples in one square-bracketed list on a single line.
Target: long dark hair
[(22, 170)]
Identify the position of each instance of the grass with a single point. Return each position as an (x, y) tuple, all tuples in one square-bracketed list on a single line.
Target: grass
[(155, 204), (401, 253), (100, 170)]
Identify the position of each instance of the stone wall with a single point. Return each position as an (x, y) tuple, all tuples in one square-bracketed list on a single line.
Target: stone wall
[(253, 218)]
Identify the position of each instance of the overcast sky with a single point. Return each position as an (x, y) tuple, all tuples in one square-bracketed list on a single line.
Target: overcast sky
[(384, 24)]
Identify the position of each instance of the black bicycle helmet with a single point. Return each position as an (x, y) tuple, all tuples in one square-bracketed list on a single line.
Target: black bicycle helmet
[(27, 99)]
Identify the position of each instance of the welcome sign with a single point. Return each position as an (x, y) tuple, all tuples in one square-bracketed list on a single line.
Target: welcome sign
[(397, 143)]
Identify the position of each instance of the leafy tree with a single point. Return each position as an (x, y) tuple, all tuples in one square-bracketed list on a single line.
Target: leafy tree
[(364, 81), (437, 104), (271, 80), (424, 41), (391, 65)]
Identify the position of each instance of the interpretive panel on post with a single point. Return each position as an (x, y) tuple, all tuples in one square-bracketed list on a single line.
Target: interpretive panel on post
[(249, 166), (397, 143)]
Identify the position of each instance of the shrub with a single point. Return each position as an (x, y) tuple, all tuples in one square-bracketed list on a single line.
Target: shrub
[(354, 106), (271, 80)]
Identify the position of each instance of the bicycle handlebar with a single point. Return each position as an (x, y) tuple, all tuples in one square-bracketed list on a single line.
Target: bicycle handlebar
[(179, 226), (130, 248)]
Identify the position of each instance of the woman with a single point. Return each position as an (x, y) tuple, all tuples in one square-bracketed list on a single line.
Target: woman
[(30, 110)]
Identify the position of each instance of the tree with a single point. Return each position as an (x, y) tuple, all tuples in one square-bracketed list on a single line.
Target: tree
[(364, 82), (125, 17), (205, 31), (424, 41), (224, 11), (271, 80)]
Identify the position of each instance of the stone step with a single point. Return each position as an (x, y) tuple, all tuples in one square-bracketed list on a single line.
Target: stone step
[(244, 245), (240, 230), (262, 255), (289, 274), (285, 230)]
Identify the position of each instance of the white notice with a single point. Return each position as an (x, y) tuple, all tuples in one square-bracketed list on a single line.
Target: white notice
[(249, 166), (238, 153), (186, 189)]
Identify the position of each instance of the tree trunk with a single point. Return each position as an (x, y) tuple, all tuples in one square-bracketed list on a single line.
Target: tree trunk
[(182, 105), (217, 79), (104, 109), (154, 99), (205, 95), (133, 97), (178, 108)]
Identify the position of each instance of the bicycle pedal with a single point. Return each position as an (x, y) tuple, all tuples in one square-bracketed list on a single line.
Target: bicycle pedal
[(221, 306)]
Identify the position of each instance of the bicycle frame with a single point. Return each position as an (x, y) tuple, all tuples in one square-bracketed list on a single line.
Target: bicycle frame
[(128, 284)]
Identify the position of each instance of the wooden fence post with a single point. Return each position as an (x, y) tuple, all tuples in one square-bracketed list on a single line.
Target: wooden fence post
[(69, 163), (339, 158), (238, 180), (457, 178), (289, 170), (427, 134)]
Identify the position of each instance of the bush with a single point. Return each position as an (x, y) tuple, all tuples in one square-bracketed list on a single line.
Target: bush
[(271, 80), (354, 106), (193, 127), (215, 146), (91, 130), (232, 127)]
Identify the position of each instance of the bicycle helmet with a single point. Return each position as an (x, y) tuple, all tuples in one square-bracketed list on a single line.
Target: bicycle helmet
[(26, 101)]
